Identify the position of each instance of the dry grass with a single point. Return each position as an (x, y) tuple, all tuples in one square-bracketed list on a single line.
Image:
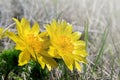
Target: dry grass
[(101, 15)]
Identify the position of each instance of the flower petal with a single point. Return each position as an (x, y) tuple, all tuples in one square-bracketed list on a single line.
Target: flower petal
[(50, 61), (24, 57), (49, 67), (80, 59), (35, 29), (77, 65), (18, 26), (68, 61), (40, 60), (13, 36), (25, 25), (52, 52), (68, 28), (81, 53), (76, 36)]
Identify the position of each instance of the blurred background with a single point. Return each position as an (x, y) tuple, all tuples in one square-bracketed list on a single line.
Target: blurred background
[(102, 18)]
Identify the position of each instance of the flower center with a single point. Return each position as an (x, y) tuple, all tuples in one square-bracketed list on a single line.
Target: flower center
[(34, 42), (66, 44)]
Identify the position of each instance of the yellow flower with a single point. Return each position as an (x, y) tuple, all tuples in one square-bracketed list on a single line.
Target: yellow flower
[(32, 43), (65, 44)]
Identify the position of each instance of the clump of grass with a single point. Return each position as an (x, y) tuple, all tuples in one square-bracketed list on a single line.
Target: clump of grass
[(8, 62)]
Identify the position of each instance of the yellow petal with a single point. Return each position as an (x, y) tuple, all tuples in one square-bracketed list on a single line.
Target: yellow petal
[(25, 25), (51, 29), (54, 25), (52, 52), (70, 67), (79, 43), (43, 34), (80, 59), (13, 36), (43, 53), (49, 67), (20, 45), (69, 62), (76, 36), (77, 65), (18, 26), (24, 58), (35, 29), (68, 29), (40, 60), (81, 53), (50, 61)]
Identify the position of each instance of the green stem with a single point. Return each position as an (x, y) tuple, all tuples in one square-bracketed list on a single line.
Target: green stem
[(86, 44)]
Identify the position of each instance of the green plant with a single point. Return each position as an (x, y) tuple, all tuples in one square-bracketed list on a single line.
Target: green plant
[(8, 62)]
